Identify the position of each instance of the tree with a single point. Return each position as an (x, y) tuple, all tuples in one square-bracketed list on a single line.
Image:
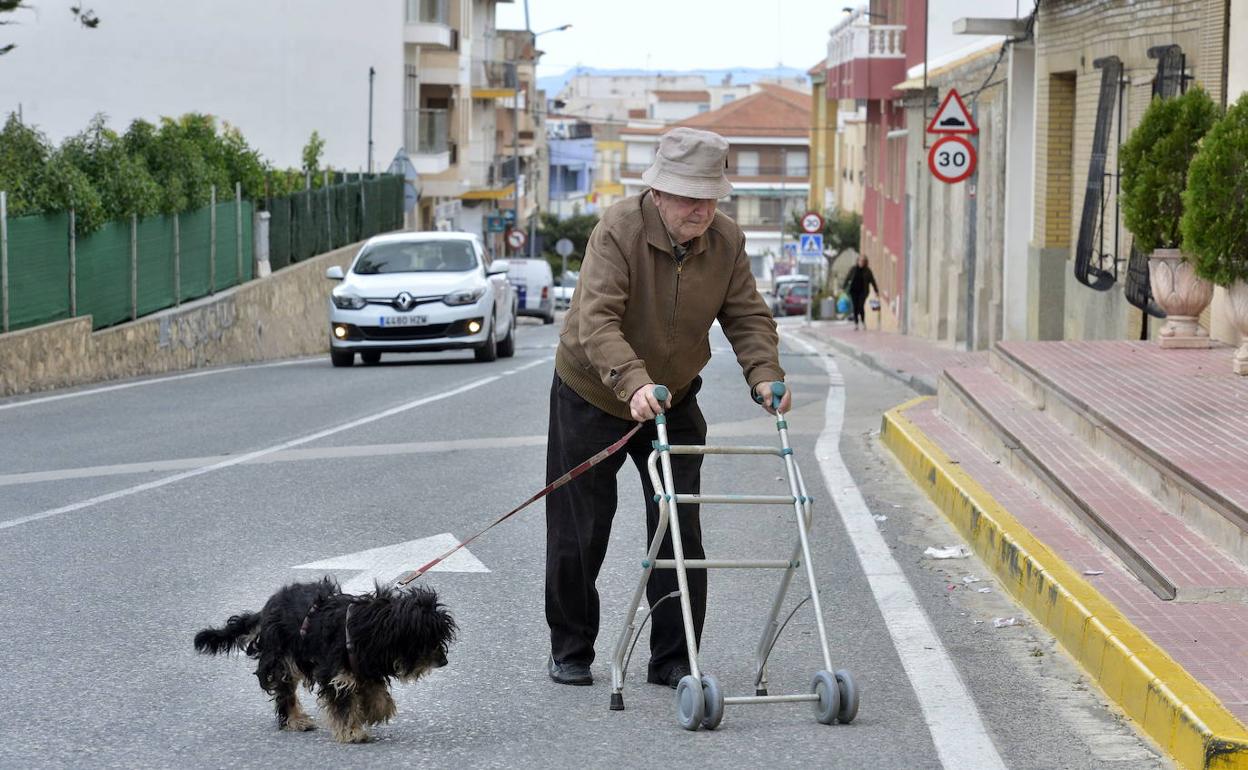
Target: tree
[(312, 152), (575, 228), (121, 179), (85, 17), (23, 153)]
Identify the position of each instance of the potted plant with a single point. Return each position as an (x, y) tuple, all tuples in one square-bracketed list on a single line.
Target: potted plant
[(1215, 215), (1154, 163)]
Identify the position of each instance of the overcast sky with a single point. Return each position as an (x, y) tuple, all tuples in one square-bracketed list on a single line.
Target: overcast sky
[(687, 34), (677, 34)]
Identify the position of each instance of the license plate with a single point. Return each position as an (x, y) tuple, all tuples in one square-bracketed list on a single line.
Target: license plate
[(403, 320)]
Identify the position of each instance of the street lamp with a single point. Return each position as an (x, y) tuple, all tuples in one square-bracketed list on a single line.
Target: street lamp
[(515, 147)]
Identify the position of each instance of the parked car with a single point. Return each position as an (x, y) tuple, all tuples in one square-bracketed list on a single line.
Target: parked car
[(565, 290), (418, 292), (783, 285), (534, 284), (795, 299)]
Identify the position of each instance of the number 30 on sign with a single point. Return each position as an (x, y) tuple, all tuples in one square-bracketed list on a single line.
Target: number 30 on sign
[(951, 159)]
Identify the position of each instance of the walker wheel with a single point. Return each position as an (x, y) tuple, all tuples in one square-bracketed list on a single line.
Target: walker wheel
[(829, 703), (713, 702), (690, 703), (849, 697)]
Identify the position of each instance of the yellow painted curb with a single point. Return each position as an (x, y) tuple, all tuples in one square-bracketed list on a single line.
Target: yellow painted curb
[(1176, 710)]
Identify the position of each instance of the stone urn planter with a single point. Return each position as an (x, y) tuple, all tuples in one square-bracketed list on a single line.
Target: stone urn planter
[(1183, 295), (1237, 302)]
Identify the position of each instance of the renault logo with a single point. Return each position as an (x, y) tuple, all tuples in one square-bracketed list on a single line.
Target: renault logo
[(404, 301)]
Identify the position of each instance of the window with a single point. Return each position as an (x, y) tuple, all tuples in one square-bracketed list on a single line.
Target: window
[(769, 211), (795, 163), (747, 163), (729, 98), (703, 108)]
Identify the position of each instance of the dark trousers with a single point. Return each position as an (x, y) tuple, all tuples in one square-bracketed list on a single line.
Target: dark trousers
[(860, 305), (578, 525)]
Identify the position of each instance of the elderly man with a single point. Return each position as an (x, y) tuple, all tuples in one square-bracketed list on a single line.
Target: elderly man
[(661, 267)]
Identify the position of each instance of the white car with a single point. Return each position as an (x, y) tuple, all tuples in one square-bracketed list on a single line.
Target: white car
[(420, 292)]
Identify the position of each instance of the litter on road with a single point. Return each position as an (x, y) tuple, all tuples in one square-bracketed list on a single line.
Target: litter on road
[(1094, 572), (970, 579), (1006, 622), (948, 552)]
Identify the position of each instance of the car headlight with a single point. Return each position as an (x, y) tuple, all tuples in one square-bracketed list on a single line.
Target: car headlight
[(464, 296), (347, 301)]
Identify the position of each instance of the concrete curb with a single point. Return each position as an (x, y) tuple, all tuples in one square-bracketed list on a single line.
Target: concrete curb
[(1189, 723), (913, 381)]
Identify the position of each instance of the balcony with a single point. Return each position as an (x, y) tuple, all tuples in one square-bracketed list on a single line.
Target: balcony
[(427, 138), (429, 24), (494, 80), (865, 60)]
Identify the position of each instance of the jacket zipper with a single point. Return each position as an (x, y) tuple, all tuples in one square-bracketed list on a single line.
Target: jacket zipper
[(671, 329)]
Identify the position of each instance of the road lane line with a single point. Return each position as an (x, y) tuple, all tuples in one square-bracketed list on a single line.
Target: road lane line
[(950, 711), (152, 381), (249, 456)]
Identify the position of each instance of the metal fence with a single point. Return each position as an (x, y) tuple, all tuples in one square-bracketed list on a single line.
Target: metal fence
[(125, 269), (128, 269), (340, 212)]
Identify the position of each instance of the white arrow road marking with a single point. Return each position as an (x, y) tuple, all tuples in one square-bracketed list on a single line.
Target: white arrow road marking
[(385, 564), (948, 707)]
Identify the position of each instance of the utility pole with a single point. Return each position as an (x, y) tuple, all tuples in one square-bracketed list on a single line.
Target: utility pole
[(372, 73)]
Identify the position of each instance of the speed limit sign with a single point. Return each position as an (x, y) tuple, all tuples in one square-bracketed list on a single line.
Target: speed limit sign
[(951, 159), (812, 222)]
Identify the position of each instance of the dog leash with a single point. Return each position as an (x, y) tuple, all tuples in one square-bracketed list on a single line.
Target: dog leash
[(551, 487)]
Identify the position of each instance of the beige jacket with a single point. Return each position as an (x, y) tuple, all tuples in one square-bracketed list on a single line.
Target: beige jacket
[(638, 316)]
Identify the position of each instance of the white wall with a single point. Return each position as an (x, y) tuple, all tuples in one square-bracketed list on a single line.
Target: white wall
[(277, 69)]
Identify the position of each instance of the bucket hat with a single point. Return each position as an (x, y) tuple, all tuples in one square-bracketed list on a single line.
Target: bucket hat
[(690, 163)]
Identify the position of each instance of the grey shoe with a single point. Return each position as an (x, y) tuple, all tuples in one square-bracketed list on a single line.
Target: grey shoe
[(569, 673)]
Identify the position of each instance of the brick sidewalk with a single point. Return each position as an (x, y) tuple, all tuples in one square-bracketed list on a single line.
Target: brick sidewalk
[(915, 361)]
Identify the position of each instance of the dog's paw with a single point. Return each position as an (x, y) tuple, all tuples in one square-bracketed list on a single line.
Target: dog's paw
[(301, 724), (358, 735)]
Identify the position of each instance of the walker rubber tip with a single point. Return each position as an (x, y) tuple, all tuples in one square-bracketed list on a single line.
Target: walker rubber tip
[(760, 691), (617, 701)]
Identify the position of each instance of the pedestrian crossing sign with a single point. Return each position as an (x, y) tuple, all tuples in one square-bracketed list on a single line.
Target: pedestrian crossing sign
[(811, 244)]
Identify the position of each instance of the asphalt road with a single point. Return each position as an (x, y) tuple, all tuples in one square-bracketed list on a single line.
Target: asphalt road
[(132, 515)]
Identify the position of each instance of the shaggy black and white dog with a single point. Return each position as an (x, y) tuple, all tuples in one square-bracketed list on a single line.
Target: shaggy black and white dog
[(346, 647)]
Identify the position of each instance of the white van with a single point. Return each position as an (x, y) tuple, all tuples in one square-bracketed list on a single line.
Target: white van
[(534, 284)]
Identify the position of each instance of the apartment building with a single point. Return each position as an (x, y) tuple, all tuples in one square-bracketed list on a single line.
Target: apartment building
[(474, 117), (768, 164)]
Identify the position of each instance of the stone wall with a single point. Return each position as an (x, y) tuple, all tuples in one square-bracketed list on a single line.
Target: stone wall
[(282, 315)]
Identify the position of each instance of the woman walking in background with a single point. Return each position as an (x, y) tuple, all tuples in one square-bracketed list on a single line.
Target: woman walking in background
[(857, 283)]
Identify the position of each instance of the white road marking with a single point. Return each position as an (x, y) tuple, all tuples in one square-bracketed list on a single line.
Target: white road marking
[(249, 456), (384, 564), (951, 714), (152, 381)]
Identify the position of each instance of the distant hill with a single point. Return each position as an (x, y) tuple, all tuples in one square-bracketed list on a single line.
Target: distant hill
[(553, 84)]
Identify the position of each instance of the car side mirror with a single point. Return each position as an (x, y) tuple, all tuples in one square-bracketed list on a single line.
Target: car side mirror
[(334, 273)]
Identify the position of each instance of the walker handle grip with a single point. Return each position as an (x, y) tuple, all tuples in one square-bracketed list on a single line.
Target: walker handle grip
[(777, 393), (662, 393)]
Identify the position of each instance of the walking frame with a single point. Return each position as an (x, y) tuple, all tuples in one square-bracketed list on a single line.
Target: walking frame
[(699, 700)]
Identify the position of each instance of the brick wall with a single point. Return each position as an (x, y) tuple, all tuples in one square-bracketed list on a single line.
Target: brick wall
[(1070, 35)]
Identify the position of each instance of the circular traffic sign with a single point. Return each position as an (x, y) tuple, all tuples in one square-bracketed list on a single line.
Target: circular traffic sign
[(812, 222), (515, 239), (951, 159), (564, 247)]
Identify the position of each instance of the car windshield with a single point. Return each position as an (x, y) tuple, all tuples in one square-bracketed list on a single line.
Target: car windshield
[(417, 257)]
